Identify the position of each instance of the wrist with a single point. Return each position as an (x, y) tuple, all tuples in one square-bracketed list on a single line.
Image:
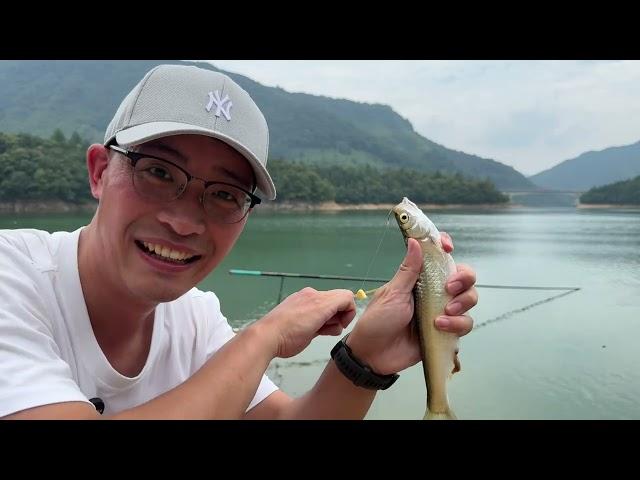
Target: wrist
[(360, 351), (263, 337), (359, 373)]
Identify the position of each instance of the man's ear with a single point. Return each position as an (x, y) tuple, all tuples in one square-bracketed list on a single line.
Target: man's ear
[(97, 162)]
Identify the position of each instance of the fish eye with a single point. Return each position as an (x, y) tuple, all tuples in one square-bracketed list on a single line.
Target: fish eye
[(404, 217)]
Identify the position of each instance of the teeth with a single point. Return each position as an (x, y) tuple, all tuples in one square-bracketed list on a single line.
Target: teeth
[(166, 252)]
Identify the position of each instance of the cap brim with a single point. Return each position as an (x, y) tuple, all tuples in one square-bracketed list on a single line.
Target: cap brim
[(150, 131)]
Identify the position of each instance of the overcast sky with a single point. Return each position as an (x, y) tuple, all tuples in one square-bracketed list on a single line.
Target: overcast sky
[(531, 115)]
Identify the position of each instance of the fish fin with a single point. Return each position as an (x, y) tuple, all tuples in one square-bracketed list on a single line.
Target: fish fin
[(447, 415), (456, 363)]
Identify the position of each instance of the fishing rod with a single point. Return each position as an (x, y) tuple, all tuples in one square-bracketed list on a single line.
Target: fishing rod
[(283, 275)]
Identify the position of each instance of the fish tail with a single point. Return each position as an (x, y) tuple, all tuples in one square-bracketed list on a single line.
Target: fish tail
[(446, 415)]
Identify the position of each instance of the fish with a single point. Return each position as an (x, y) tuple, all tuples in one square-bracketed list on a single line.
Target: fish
[(439, 350)]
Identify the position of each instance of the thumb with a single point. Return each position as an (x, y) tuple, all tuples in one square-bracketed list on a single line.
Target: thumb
[(406, 276)]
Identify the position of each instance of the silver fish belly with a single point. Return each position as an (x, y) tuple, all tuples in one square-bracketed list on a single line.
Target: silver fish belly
[(439, 349)]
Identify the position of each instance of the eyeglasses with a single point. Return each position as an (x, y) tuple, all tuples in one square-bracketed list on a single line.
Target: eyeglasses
[(163, 181)]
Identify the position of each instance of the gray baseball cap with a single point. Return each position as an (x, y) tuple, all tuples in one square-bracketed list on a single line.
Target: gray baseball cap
[(181, 99)]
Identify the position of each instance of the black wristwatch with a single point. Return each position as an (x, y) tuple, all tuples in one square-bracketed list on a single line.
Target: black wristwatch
[(360, 374)]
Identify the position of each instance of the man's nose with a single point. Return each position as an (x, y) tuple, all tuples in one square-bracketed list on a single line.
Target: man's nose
[(185, 215)]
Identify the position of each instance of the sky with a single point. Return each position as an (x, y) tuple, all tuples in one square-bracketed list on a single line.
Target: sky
[(530, 115)]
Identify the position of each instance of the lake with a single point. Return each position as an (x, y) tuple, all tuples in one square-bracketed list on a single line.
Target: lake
[(572, 357)]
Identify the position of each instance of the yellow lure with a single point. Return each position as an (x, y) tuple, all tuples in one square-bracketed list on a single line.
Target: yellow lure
[(361, 295)]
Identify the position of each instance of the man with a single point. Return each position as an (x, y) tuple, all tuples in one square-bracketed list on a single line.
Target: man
[(106, 319)]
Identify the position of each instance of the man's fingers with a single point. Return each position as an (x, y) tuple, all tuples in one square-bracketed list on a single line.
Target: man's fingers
[(447, 242), (461, 324), (345, 317), (333, 330), (406, 276), (465, 269), (462, 280), (341, 299), (462, 303)]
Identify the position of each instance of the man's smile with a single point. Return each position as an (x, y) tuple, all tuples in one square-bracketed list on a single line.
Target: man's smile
[(169, 255)]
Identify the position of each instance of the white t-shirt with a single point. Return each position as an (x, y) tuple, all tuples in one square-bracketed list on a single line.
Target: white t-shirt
[(48, 352)]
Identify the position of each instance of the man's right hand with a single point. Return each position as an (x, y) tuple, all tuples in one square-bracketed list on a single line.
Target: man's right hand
[(306, 314)]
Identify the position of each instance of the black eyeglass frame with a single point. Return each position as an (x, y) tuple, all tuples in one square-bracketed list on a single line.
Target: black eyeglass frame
[(134, 157)]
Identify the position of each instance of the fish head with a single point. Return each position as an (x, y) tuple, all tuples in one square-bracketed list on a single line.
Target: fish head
[(414, 223)]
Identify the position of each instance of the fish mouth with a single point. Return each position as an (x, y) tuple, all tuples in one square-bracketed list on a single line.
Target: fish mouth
[(397, 210)]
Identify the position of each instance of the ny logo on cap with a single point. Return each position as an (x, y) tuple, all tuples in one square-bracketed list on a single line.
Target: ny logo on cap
[(223, 105)]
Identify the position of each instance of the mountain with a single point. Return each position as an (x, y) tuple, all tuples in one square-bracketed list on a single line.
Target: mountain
[(626, 192), (39, 96), (592, 169)]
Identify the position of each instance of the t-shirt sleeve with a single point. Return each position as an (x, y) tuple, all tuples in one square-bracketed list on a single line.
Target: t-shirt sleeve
[(220, 332), (32, 372)]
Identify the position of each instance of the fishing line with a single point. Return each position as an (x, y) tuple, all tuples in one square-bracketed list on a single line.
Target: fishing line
[(384, 232)]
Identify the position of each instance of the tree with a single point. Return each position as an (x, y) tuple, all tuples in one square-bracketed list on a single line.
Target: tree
[(58, 137)]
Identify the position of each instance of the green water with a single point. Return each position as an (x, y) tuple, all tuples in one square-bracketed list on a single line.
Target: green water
[(575, 357)]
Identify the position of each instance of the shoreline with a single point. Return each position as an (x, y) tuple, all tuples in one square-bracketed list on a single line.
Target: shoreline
[(44, 206), (59, 206), (606, 205), (338, 207)]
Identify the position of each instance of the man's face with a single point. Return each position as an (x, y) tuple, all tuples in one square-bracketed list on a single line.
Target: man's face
[(130, 225)]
